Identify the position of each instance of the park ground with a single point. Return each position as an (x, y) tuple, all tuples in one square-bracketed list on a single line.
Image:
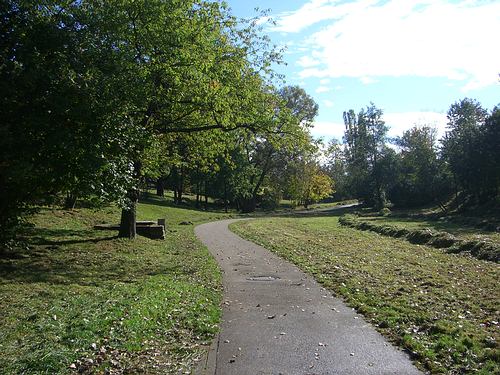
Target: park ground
[(78, 300)]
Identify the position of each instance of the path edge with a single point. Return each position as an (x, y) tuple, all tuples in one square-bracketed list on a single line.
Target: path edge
[(208, 362)]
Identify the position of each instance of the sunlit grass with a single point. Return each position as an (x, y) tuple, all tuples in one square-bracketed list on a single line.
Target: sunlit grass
[(463, 231)]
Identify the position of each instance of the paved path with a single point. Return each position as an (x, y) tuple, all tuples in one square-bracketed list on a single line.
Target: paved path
[(278, 320)]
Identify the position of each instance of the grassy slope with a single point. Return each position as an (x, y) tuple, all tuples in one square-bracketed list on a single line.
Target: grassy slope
[(463, 231), (82, 297), (441, 307)]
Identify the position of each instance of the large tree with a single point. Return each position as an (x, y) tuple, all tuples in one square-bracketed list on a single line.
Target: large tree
[(418, 177), (259, 155), (90, 86), (463, 145), (365, 148)]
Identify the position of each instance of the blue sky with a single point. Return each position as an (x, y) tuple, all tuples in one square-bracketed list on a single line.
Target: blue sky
[(411, 58)]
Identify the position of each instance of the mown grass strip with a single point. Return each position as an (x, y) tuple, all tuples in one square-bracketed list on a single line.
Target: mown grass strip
[(79, 300), (461, 227), (443, 308), (483, 248)]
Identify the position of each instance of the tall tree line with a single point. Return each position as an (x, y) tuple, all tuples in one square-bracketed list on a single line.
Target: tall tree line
[(420, 169)]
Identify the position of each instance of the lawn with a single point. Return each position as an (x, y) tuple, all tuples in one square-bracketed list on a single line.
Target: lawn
[(460, 230), (443, 308), (79, 300)]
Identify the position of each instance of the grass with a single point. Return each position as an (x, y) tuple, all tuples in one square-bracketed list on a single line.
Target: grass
[(79, 300), (442, 308), (460, 230)]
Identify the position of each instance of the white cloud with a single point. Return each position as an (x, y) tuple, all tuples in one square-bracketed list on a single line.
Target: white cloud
[(328, 103), (423, 38), (368, 80), (328, 129), (324, 81), (307, 62), (321, 89), (398, 122), (316, 11)]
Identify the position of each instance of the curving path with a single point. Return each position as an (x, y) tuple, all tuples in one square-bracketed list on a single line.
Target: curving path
[(278, 320)]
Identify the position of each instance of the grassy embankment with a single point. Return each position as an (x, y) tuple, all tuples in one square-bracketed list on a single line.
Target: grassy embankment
[(83, 300), (441, 307), (464, 230)]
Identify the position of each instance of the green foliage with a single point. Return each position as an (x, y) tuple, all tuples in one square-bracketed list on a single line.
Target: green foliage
[(420, 175), (470, 148), (270, 198), (253, 163), (365, 138), (335, 167), (420, 172), (94, 90), (302, 106)]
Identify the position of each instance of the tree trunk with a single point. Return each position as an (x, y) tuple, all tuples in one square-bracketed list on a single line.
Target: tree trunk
[(128, 222), (70, 201), (160, 187), (128, 217), (225, 195), (265, 169), (197, 205), (206, 196)]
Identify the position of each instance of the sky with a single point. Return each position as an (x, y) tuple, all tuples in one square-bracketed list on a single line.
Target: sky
[(411, 58)]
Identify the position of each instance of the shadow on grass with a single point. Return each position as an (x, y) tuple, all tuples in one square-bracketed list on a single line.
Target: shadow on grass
[(154, 200), (82, 257), (42, 266), (442, 226), (58, 237)]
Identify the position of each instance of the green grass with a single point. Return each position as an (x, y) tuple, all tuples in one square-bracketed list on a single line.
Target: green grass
[(443, 308), (460, 230), (86, 298)]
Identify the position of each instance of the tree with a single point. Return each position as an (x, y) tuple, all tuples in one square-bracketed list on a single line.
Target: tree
[(491, 167), (90, 87), (56, 113), (463, 145), (335, 167), (302, 105), (365, 138), (257, 156), (419, 168)]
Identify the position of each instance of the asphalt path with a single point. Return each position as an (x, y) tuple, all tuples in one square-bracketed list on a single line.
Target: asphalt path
[(278, 320)]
